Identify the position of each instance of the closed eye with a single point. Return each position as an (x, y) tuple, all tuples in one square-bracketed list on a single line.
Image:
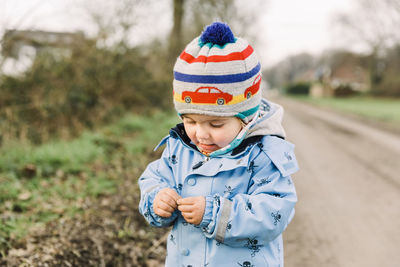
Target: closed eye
[(188, 121), (216, 125)]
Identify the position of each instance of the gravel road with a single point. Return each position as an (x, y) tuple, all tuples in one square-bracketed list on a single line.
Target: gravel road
[(348, 212)]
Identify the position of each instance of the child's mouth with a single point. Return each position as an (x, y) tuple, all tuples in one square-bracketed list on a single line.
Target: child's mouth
[(207, 148)]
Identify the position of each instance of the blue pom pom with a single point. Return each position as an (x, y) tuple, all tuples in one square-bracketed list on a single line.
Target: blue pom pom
[(217, 33)]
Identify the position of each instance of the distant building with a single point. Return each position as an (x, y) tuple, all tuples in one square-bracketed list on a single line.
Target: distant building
[(344, 74), (350, 75), (19, 47), (15, 40)]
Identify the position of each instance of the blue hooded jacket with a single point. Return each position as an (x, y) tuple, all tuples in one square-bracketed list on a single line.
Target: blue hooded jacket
[(250, 197)]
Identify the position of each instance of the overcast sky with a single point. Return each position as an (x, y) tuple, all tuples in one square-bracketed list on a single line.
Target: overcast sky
[(287, 26), (300, 26)]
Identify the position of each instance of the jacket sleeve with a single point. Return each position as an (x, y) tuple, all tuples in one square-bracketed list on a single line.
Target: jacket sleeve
[(157, 175), (263, 213)]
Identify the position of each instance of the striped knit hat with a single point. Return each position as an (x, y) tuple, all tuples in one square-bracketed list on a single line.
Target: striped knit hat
[(219, 75)]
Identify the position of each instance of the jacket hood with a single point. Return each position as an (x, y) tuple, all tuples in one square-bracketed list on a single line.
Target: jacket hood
[(268, 121)]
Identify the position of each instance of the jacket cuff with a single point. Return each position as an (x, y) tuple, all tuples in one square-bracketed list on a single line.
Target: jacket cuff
[(207, 211)]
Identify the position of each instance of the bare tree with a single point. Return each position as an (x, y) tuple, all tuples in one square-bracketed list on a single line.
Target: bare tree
[(176, 38), (374, 24), (241, 15), (114, 21)]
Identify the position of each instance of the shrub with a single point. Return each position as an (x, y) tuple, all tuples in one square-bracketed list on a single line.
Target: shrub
[(299, 88), (60, 96), (389, 87), (344, 90)]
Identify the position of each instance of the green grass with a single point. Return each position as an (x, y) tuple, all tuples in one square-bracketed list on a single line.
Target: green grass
[(151, 131), (68, 156), (385, 110), (43, 183)]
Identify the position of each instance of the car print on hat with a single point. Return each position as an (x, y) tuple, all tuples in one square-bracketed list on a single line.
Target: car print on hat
[(207, 95), (252, 90)]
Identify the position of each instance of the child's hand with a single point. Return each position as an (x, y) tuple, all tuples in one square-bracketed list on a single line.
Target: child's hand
[(192, 208), (165, 202)]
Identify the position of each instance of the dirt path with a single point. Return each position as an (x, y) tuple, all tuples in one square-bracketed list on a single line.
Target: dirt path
[(348, 212)]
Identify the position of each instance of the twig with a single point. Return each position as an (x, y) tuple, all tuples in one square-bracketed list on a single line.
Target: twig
[(157, 243), (100, 250)]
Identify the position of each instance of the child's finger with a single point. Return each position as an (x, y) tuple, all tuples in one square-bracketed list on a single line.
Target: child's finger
[(186, 201), (187, 215), (165, 206), (162, 213), (185, 208), (167, 199), (173, 194)]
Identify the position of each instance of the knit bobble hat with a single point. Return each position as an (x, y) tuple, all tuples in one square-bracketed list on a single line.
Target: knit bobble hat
[(218, 74)]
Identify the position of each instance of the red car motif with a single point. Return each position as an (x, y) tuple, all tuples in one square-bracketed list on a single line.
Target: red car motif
[(206, 94), (252, 90)]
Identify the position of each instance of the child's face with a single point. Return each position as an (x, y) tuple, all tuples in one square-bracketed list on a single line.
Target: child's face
[(210, 133)]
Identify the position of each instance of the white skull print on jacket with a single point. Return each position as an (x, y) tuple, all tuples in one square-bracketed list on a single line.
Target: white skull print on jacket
[(250, 197)]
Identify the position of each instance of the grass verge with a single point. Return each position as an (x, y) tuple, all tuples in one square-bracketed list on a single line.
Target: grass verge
[(57, 179), (378, 109)]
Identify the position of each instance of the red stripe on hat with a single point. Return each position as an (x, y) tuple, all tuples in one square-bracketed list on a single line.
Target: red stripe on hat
[(217, 58)]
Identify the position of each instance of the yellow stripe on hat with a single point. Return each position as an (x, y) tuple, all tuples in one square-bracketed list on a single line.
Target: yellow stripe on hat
[(235, 99)]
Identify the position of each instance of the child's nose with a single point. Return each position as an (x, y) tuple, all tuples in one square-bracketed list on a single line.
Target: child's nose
[(202, 133)]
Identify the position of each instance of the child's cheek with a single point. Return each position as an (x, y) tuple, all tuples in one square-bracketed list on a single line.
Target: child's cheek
[(223, 138), (192, 136), (190, 132)]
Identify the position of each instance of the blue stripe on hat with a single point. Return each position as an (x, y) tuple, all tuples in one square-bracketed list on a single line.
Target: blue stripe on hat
[(229, 78)]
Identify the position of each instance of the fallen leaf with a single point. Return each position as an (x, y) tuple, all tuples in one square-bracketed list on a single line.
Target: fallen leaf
[(24, 195), (18, 252)]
